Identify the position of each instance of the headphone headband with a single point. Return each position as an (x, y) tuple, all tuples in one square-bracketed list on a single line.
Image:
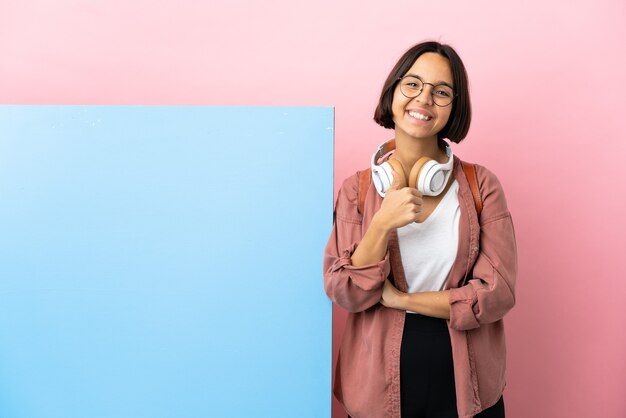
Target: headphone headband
[(384, 149)]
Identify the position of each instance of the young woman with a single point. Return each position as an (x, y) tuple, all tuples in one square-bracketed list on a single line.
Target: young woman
[(426, 279)]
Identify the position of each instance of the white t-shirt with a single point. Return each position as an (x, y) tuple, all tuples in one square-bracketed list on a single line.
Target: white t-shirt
[(428, 249)]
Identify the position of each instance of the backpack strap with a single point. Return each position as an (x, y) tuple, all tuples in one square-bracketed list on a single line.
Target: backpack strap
[(365, 178), (472, 179)]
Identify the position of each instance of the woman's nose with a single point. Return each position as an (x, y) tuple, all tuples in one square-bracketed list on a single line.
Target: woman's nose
[(425, 96)]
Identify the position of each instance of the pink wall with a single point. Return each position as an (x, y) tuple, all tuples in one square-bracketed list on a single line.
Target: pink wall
[(547, 79)]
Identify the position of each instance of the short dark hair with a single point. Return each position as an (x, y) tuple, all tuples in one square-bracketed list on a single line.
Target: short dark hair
[(461, 114)]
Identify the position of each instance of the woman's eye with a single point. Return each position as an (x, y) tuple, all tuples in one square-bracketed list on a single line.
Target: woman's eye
[(442, 93)]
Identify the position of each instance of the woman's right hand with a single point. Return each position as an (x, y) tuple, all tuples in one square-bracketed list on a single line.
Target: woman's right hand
[(400, 207)]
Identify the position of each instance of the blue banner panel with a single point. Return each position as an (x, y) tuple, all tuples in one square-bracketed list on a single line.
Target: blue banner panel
[(160, 261)]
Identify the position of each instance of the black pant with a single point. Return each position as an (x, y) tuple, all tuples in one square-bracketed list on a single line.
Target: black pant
[(427, 373), (496, 411)]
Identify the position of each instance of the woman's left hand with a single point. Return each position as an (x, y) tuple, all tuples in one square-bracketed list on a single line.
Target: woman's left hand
[(391, 297)]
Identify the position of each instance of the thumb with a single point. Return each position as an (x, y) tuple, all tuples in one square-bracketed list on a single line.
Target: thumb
[(398, 174), (397, 180)]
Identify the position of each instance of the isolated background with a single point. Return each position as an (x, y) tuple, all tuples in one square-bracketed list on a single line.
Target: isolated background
[(547, 87)]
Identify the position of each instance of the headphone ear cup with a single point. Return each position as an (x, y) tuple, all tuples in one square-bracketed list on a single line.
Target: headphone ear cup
[(416, 171), (382, 177), (399, 169)]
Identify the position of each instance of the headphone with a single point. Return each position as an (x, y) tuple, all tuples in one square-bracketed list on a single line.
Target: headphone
[(428, 176)]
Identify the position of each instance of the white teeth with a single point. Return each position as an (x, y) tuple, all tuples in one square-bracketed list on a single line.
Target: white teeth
[(419, 116)]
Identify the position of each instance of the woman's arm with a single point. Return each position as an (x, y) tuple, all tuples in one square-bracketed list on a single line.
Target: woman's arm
[(433, 304), (400, 207), (490, 292), (355, 264), (354, 288)]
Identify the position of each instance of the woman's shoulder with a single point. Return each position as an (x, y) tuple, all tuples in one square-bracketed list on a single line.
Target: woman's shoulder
[(491, 193), (487, 179), (348, 201), (350, 183), (348, 196)]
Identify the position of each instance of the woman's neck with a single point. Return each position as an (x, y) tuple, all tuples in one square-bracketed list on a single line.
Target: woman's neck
[(409, 150)]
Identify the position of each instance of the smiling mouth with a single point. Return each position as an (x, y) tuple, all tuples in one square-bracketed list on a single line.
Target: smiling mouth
[(418, 115)]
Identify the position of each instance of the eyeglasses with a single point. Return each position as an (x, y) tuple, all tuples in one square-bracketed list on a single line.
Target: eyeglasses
[(411, 87)]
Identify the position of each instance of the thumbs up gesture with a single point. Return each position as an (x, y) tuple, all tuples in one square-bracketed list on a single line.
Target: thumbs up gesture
[(401, 205), (398, 179)]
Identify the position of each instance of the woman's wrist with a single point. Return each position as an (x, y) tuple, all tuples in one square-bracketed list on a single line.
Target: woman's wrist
[(379, 225), (401, 300)]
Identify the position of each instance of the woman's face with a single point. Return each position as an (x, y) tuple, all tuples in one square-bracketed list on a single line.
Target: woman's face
[(420, 117)]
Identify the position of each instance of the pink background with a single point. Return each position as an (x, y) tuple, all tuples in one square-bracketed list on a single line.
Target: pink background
[(547, 83)]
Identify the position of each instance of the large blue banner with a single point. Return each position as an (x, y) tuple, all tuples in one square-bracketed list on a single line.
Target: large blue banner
[(162, 261)]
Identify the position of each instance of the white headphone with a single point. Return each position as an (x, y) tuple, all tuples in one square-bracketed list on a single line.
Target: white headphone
[(428, 176)]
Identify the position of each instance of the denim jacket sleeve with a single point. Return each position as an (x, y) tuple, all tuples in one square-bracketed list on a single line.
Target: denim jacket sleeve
[(353, 288), (490, 292)]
